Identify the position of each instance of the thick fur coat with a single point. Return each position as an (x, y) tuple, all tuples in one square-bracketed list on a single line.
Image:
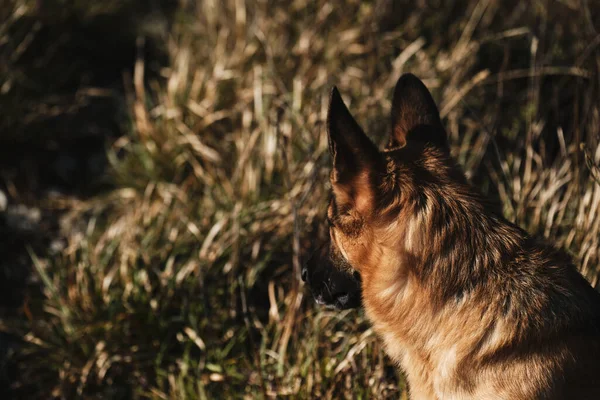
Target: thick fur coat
[(468, 304)]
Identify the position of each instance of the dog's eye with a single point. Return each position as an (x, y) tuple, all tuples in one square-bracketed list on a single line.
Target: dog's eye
[(330, 222)]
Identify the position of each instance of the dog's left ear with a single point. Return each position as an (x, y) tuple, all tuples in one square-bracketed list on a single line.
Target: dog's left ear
[(356, 160), (415, 117)]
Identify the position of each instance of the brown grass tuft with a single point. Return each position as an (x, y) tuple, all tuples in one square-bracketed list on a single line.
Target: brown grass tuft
[(180, 281)]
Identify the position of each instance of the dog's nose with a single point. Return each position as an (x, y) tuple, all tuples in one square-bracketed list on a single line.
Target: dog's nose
[(304, 274)]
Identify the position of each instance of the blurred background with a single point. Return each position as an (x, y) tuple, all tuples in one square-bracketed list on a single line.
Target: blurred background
[(163, 169)]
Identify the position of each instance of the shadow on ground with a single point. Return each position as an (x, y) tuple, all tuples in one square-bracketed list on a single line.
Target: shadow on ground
[(62, 75)]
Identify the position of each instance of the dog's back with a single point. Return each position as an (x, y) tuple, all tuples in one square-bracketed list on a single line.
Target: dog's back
[(529, 330)]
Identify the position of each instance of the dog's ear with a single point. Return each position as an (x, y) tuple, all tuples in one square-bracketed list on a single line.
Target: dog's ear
[(356, 160), (414, 114)]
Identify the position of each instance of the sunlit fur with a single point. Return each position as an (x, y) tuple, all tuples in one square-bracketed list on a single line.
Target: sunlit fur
[(467, 303)]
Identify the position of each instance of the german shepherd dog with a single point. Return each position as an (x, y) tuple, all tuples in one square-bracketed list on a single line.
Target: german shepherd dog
[(468, 304)]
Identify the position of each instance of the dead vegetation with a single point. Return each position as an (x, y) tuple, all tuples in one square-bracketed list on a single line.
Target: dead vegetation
[(179, 279)]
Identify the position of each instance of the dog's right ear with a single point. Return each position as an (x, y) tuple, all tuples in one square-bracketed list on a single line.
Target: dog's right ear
[(356, 160), (414, 114)]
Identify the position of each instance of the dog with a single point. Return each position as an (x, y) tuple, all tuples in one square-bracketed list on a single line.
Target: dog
[(468, 304)]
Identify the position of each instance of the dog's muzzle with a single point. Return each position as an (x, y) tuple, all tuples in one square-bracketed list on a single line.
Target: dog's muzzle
[(329, 281)]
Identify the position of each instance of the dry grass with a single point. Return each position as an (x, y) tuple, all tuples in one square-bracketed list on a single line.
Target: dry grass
[(181, 281)]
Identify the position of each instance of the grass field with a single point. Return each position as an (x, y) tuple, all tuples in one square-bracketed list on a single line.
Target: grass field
[(164, 168)]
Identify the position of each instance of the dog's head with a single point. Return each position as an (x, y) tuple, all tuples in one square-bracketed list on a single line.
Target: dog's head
[(369, 189)]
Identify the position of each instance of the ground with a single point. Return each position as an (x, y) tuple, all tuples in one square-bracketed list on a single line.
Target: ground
[(163, 171)]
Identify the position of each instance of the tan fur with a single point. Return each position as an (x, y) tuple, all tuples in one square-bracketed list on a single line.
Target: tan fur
[(469, 305), (436, 345)]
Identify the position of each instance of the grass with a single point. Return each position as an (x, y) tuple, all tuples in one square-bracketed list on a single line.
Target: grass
[(179, 272)]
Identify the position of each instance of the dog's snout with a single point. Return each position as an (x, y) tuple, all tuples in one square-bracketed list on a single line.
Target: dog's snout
[(330, 283), (304, 274)]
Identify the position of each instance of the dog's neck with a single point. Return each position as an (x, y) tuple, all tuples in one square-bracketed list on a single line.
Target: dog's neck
[(443, 239), (444, 230), (446, 245)]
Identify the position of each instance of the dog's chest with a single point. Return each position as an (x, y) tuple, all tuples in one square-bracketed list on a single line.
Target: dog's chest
[(427, 352), (428, 377)]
